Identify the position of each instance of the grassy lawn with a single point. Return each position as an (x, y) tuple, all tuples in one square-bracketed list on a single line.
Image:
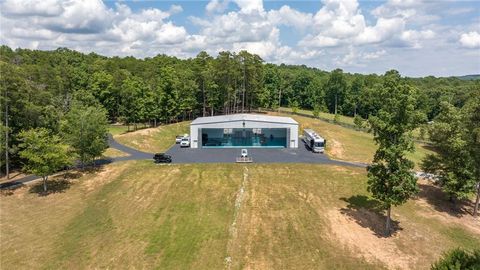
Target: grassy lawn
[(209, 216), (348, 144), (341, 118), (112, 153), (117, 129), (342, 143), (154, 139)]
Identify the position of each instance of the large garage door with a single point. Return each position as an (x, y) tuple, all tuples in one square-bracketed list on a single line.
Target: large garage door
[(244, 137)]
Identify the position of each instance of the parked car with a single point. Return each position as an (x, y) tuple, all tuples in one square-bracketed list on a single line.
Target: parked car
[(162, 158), (178, 139), (244, 153), (185, 142)]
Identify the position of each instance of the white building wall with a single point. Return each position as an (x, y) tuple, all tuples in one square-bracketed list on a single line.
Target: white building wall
[(195, 140)]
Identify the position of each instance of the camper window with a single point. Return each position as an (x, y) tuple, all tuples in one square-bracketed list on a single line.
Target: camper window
[(319, 144)]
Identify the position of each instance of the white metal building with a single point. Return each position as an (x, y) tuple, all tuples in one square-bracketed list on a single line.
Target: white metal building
[(244, 130)]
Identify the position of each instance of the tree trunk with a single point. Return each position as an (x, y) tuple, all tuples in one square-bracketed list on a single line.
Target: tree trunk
[(387, 227), (477, 201), (203, 96), (335, 103), (279, 99), (45, 184), (7, 168)]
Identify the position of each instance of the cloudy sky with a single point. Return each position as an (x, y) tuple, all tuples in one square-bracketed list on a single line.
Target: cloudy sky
[(416, 37)]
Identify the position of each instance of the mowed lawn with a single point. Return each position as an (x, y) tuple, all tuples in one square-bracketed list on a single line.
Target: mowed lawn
[(209, 216), (153, 140), (348, 144), (342, 143)]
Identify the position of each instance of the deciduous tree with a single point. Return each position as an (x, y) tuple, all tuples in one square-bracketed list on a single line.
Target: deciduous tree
[(44, 153), (390, 176)]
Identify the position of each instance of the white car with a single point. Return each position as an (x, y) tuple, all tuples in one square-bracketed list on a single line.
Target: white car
[(185, 142), (179, 138)]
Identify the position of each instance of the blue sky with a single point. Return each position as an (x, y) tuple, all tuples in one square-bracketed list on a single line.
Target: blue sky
[(418, 38)]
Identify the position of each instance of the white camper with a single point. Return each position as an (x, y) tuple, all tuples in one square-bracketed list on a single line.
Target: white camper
[(313, 141)]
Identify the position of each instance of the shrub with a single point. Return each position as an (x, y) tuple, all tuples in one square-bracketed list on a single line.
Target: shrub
[(316, 111), (458, 259)]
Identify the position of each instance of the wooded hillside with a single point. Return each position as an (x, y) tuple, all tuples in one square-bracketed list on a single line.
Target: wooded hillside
[(38, 88)]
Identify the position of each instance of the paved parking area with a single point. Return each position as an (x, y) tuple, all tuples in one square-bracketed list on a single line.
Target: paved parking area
[(259, 155)]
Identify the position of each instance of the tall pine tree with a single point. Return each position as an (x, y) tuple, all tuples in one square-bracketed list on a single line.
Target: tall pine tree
[(390, 177)]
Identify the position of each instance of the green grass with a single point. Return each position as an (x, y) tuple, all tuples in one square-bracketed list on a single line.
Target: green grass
[(342, 143), (117, 129), (142, 215), (154, 139), (329, 116), (351, 145)]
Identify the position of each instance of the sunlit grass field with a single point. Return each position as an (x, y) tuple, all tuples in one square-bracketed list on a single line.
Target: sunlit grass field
[(209, 216)]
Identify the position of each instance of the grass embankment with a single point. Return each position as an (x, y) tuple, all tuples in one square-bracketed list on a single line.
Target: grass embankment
[(295, 216), (153, 140), (342, 143), (348, 144), (117, 129), (342, 119)]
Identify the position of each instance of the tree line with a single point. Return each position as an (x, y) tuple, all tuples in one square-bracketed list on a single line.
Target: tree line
[(64, 93)]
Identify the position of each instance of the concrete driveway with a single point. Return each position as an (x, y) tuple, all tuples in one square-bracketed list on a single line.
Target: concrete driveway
[(210, 155), (259, 155)]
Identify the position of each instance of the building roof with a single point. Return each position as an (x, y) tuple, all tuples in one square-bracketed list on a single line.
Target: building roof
[(244, 117)]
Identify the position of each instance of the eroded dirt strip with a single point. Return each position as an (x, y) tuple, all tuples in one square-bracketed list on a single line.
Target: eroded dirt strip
[(239, 201)]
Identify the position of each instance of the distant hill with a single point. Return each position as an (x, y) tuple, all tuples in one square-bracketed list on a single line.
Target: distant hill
[(469, 77)]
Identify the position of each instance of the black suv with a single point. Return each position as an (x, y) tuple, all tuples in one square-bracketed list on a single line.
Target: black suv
[(162, 158)]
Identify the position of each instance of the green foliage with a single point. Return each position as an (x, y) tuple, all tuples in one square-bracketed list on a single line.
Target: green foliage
[(84, 127), (336, 118), (294, 106), (390, 177), (336, 90), (44, 153), (359, 121), (40, 86), (453, 161), (316, 111), (458, 259)]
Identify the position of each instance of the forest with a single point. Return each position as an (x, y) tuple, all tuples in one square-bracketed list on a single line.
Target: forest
[(46, 89)]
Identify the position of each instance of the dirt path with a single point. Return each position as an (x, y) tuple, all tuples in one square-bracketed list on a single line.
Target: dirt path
[(366, 244), (233, 243)]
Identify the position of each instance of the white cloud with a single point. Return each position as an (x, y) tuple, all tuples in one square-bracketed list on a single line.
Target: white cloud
[(470, 40), (288, 16), (217, 6), (413, 38), (319, 41), (81, 17), (174, 9), (249, 6), (384, 29), (45, 8), (337, 33), (374, 55)]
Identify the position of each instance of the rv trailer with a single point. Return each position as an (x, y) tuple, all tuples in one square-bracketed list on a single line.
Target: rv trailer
[(314, 141)]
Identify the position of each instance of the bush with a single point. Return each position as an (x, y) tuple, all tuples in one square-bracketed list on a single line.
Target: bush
[(294, 106), (336, 118), (316, 111), (458, 259), (359, 121)]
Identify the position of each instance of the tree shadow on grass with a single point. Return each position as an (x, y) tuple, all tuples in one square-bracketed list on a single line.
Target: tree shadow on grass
[(440, 201), (368, 213), (9, 190), (53, 186)]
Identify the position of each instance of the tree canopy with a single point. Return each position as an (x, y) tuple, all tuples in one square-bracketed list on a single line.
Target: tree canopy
[(39, 88)]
